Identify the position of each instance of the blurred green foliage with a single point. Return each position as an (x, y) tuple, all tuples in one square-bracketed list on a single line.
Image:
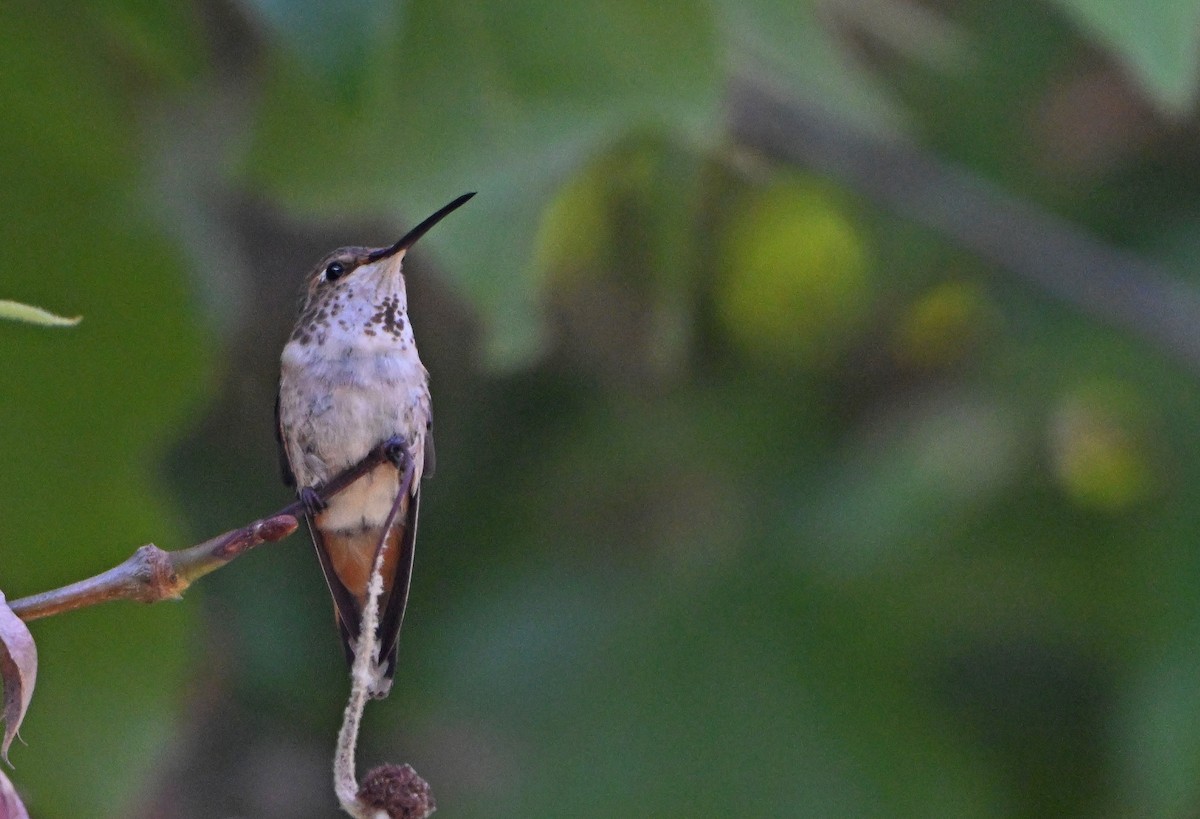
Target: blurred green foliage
[(1160, 47), (87, 413), (753, 499)]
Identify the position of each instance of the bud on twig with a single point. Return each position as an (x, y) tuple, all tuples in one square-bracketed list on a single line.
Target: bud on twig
[(398, 792)]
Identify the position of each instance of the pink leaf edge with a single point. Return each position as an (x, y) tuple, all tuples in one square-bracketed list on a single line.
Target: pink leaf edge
[(18, 670), (11, 806)]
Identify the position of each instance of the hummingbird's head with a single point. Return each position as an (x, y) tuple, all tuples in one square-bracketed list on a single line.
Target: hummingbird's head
[(370, 277)]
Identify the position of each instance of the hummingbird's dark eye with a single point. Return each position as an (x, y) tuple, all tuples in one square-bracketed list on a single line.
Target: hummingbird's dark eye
[(334, 271)]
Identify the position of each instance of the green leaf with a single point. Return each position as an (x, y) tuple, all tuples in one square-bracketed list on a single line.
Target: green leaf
[(1158, 42), (34, 315), (159, 36), (334, 42), (505, 99), (784, 41)]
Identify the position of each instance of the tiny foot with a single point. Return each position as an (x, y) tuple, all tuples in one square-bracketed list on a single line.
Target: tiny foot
[(313, 502), (396, 451)]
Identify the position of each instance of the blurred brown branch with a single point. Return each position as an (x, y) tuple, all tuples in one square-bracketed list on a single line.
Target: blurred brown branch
[(1112, 285), (152, 574)]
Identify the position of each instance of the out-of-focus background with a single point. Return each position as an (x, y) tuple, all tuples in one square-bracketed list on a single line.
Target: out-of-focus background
[(816, 388)]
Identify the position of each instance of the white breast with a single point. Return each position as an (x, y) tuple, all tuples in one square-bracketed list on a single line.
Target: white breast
[(344, 396)]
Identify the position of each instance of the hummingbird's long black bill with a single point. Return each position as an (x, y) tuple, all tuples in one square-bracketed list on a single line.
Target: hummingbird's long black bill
[(409, 239)]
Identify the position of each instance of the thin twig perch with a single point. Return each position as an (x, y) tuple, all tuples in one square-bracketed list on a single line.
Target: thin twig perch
[(152, 574)]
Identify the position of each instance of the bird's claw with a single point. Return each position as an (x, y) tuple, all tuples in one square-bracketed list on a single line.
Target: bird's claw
[(312, 501), (395, 449)]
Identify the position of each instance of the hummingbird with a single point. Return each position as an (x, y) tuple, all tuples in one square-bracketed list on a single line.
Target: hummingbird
[(350, 381)]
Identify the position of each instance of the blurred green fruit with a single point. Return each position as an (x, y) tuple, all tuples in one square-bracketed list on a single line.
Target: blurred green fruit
[(942, 325), (1100, 446), (793, 281), (574, 230)]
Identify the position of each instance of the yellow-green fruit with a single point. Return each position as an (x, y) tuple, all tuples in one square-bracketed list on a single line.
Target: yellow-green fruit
[(793, 282), (575, 230), (1100, 446), (941, 327)]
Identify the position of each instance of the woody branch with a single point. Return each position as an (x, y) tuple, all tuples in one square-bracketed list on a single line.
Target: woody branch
[(152, 574)]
